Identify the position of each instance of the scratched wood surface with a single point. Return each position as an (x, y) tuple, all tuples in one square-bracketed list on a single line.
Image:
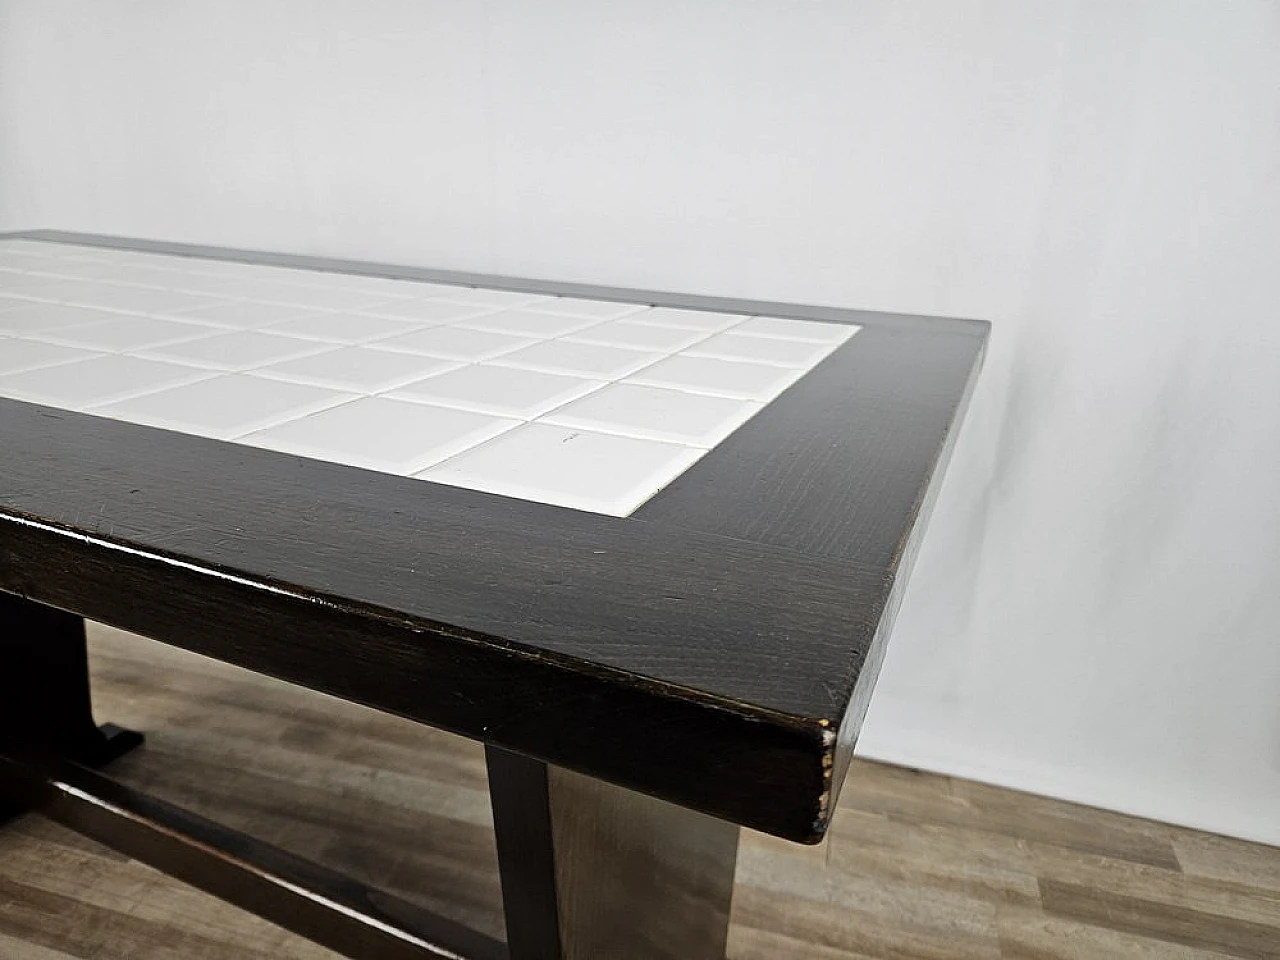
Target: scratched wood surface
[(646, 658), (916, 865)]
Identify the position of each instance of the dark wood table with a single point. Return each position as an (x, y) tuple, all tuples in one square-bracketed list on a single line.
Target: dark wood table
[(645, 684)]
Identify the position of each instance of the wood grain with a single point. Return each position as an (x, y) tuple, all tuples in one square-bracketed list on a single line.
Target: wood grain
[(590, 870), (645, 656), (866, 426), (717, 650), (915, 866), (639, 878), (298, 894)]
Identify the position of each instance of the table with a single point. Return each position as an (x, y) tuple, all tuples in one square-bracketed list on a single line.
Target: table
[(647, 547)]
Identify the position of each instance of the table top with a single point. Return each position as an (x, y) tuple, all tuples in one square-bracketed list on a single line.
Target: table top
[(589, 404), (656, 538)]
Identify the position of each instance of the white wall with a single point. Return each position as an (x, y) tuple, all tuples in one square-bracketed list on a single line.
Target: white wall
[(1096, 612)]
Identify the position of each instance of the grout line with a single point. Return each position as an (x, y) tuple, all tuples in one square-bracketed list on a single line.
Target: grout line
[(257, 278), (413, 475), (347, 399)]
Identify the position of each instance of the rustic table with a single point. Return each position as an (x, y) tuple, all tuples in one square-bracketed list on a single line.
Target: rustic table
[(646, 547)]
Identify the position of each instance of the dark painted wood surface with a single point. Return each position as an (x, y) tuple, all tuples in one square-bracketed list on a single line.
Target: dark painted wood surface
[(44, 690), (520, 798), (424, 601), (915, 867), (590, 870), (301, 896), (839, 466), (44, 679), (707, 651), (684, 608), (873, 425)]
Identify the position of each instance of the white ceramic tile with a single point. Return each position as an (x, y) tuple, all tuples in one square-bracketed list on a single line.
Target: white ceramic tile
[(52, 270), (504, 391), (16, 258), (393, 436), (92, 293), (21, 354), (165, 261), (128, 332), (580, 359), (383, 286), (638, 336), (687, 319), (65, 251), (233, 269), (781, 353), (428, 311), (236, 350), (147, 300), (151, 261), (585, 403), (568, 467), (497, 299), (298, 295), (526, 323), (721, 378), (456, 343), (344, 327), (36, 318), (40, 275), (247, 315), (315, 279), (95, 381), (591, 309), (405, 289), (46, 287), (656, 413), (37, 247), (360, 369), (75, 269), (190, 282), (813, 331), (224, 406), (129, 275), (92, 254), (32, 286)]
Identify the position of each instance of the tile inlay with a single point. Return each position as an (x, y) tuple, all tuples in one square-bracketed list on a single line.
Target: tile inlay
[(589, 404)]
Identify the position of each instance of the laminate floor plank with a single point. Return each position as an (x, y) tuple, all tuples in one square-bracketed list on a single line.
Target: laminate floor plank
[(1033, 935), (948, 859), (916, 866), (1010, 814), (1227, 860), (29, 950), (1163, 921), (882, 929), (1105, 878)]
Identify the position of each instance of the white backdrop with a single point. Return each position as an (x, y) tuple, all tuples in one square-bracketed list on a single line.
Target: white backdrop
[(1095, 614)]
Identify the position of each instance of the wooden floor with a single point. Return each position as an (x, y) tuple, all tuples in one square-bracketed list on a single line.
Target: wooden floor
[(917, 866)]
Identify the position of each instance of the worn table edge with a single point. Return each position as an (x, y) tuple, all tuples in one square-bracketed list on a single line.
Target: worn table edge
[(826, 749)]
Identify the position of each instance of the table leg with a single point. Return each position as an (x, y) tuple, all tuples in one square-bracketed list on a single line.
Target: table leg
[(44, 689), (591, 870)]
